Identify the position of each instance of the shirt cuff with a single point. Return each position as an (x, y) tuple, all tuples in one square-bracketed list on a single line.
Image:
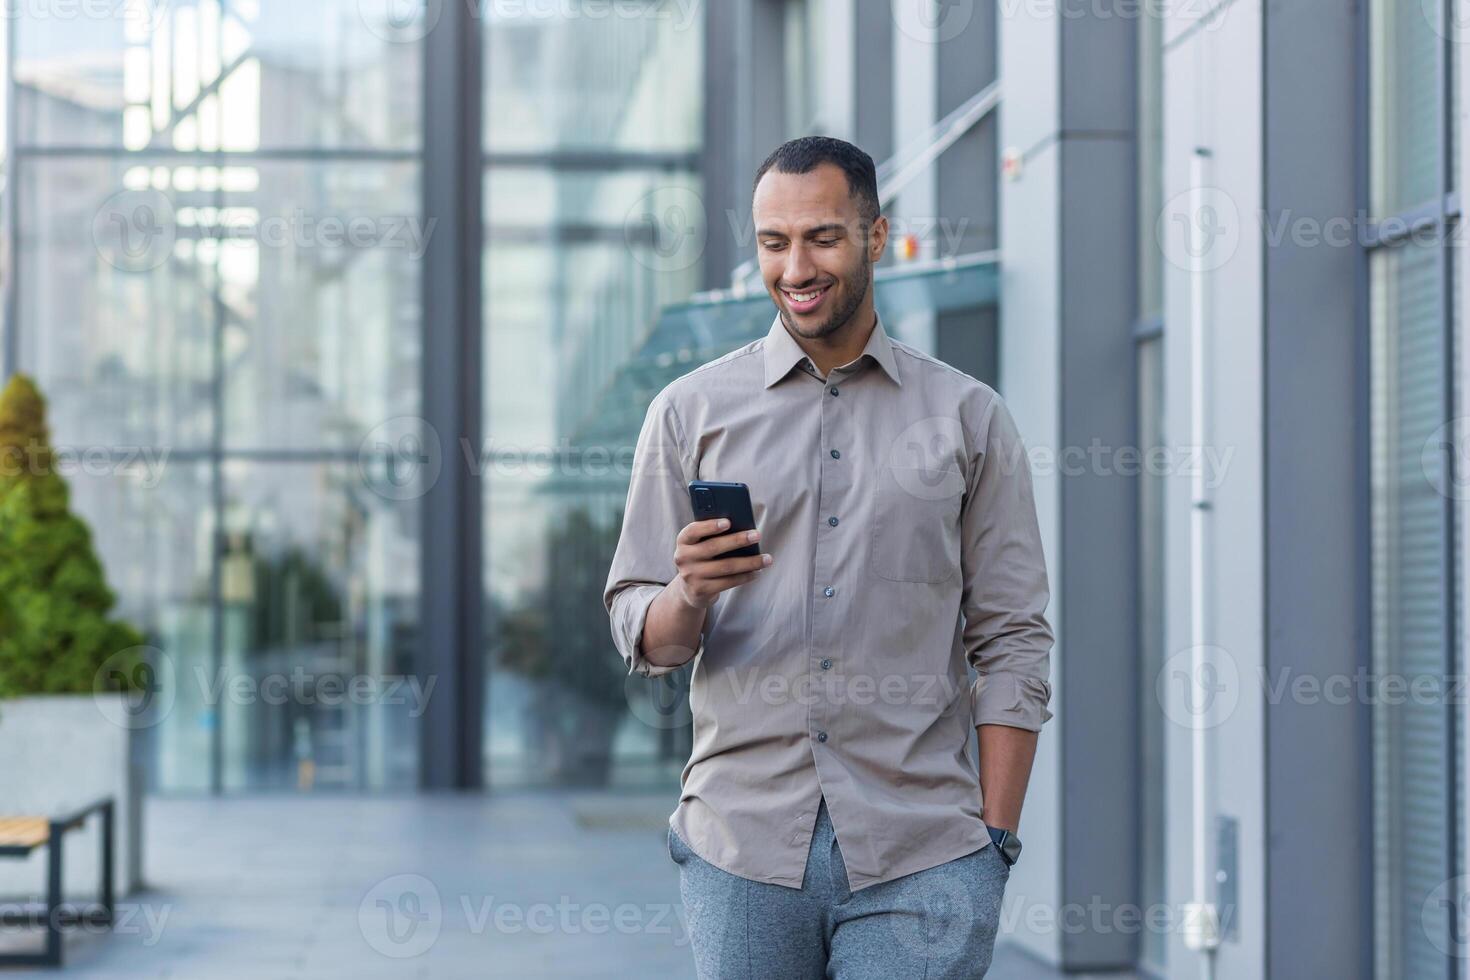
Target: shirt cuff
[(629, 611), (1014, 700)]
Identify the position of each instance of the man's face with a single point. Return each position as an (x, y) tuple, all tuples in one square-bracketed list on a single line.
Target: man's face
[(816, 254)]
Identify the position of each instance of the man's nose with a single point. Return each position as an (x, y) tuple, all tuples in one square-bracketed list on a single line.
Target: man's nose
[(799, 268)]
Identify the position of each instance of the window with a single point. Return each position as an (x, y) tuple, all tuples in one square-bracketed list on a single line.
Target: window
[(593, 222), (216, 205), (1417, 773)]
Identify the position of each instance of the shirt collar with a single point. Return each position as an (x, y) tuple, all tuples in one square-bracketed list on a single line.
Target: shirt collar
[(782, 352)]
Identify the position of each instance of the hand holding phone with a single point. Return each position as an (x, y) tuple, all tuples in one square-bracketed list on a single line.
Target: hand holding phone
[(711, 558)]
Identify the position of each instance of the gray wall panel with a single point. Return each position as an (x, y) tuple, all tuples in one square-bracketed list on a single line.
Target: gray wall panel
[(1318, 793)]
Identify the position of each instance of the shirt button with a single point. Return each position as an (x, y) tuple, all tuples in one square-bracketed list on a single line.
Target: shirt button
[(821, 736), (826, 664), (832, 521), (833, 389), (836, 454), (829, 592)]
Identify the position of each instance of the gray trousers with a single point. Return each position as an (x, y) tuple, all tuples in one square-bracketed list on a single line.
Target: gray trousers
[(935, 924)]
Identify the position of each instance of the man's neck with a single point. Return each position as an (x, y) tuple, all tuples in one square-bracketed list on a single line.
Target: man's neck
[(842, 345)]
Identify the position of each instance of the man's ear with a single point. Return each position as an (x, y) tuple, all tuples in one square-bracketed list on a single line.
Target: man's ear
[(878, 239)]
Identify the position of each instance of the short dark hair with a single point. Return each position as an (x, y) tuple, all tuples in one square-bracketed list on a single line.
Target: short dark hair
[(803, 155)]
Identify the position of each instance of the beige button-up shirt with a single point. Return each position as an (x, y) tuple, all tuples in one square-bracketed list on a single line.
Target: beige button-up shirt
[(895, 498)]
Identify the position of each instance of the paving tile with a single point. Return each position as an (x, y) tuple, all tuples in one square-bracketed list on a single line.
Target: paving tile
[(514, 885)]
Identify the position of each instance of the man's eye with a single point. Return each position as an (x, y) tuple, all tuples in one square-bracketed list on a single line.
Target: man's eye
[(826, 242), (772, 246)]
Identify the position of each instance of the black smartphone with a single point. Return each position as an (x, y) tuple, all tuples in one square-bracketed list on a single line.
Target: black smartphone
[(729, 500)]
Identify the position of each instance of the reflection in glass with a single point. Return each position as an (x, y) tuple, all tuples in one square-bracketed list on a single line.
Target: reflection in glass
[(1412, 736), (572, 284), (595, 76), (306, 276), (215, 75), (224, 312), (319, 598), (152, 522), (1406, 105), (578, 262)]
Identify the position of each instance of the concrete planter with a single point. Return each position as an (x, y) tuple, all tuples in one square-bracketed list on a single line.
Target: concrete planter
[(62, 753)]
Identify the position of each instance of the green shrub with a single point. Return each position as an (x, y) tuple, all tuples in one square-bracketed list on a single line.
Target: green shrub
[(55, 630)]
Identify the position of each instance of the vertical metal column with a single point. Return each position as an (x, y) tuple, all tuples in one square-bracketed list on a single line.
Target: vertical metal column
[(451, 637), (1316, 435)]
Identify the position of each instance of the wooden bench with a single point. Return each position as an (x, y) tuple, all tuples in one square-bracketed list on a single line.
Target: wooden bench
[(19, 838)]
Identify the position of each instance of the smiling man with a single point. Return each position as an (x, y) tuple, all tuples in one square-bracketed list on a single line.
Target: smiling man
[(830, 819)]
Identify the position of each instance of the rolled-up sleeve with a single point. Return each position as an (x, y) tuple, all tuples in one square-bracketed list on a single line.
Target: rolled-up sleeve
[(1006, 634), (657, 509)]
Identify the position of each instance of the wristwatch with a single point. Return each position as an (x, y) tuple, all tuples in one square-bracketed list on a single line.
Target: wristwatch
[(1007, 843)]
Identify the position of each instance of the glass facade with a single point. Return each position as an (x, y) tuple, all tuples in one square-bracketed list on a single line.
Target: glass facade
[(218, 213), (1418, 780), (1407, 131), (216, 206), (1414, 810), (593, 223)]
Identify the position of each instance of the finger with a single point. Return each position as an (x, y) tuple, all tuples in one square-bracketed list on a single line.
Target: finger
[(714, 547), (731, 581), (721, 567), (699, 530)]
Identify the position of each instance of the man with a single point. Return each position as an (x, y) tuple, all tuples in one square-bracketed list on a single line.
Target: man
[(830, 819)]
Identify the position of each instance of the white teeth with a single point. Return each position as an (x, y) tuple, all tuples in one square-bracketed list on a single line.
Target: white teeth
[(805, 297)]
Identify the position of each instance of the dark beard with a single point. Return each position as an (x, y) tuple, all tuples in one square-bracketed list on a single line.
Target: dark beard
[(855, 287)]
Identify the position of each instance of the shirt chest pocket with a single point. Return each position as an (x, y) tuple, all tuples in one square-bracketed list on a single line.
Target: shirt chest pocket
[(916, 524)]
